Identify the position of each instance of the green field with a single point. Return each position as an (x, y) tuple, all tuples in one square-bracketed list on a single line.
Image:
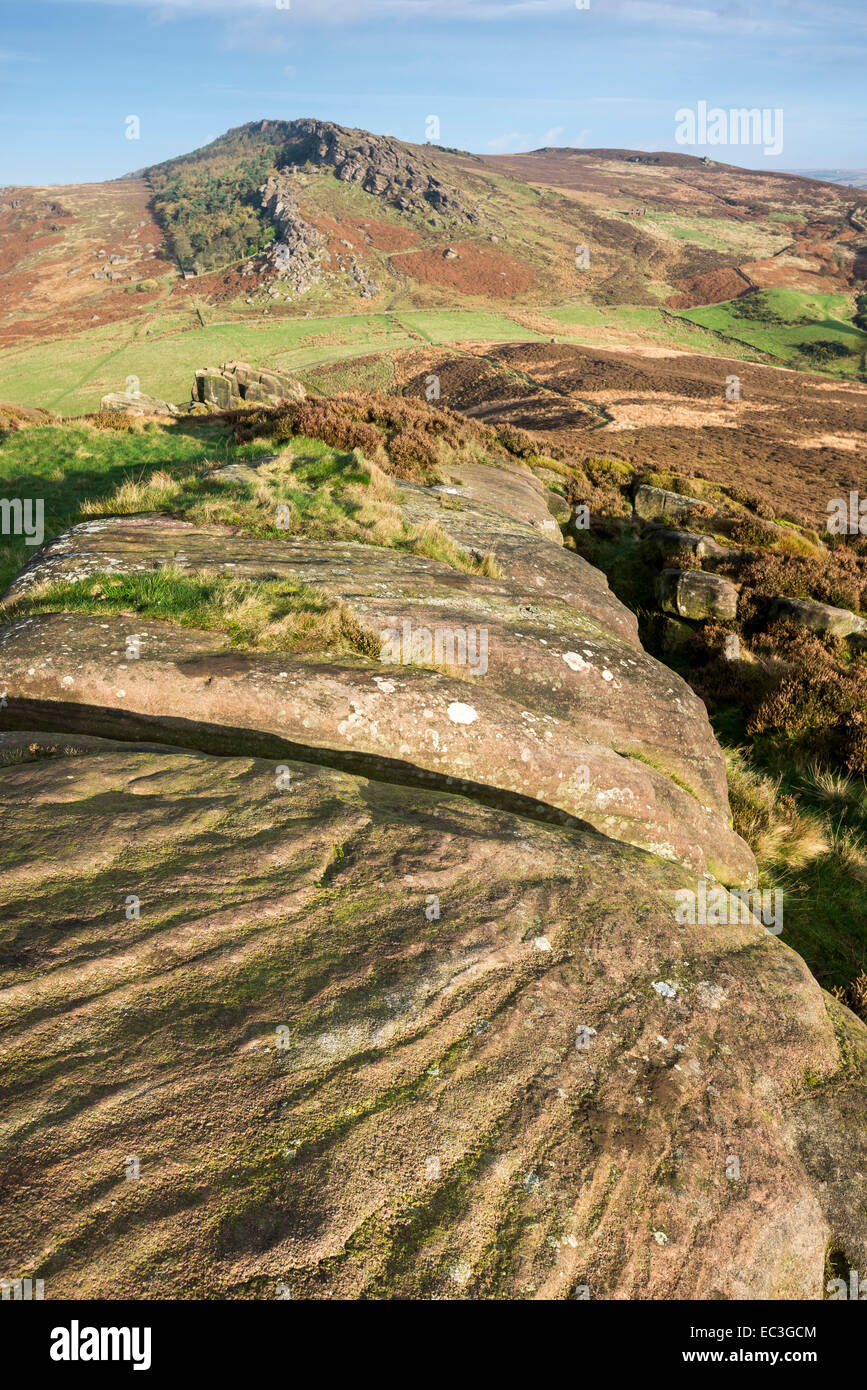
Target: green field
[(466, 326), (641, 323), (70, 465), (804, 320), (72, 375)]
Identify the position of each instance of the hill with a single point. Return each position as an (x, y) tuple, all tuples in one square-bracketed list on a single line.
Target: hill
[(432, 760), (853, 178), (303, 241)]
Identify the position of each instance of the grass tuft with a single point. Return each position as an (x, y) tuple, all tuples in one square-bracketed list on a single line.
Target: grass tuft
[(267, 616)]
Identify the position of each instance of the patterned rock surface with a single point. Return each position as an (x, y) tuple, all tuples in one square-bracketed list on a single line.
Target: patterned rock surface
[(271, 1027)]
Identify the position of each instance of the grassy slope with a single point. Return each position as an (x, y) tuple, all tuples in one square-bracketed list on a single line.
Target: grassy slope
[(72, 376), (71, 466), (634, 265), (81, 472), (807, 319)]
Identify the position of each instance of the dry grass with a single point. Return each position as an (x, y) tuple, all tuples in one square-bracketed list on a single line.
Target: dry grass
[(794, 841), (809, 843), (155, 494), (324, 495), (777, 829), (837, 789), (429, 540), (854, 996), (34, 752), (264, 616)]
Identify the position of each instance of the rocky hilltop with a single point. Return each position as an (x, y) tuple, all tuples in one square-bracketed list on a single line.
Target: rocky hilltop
[(299, 250), (307, 218), (382, 166), (348, 963)]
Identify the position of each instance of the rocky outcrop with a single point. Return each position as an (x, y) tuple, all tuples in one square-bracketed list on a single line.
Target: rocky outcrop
[(275, 1030), (697, 595), (366, 285), (658, 504), (668, 541), (226, 387), (404, 723), (383, 167), (562, 706), (333, 977), (822, 618), (298, 257)]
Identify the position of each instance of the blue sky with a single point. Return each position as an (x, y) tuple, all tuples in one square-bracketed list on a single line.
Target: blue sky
[(500, 75)]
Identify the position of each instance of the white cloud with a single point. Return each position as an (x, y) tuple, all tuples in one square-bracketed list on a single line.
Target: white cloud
[(251, 35), (337, 11), (628, 101), (725, 19), (716, 18), (518, 142), (508, 144)]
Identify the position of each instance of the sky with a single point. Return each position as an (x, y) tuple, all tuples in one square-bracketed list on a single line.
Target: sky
[(498, 75)]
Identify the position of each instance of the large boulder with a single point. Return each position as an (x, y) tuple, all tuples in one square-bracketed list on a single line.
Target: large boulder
[(668, 541), (226, 387), (822, 618), (565, 706), (658, 504), (697, 595), (274, 1030), (408, 723), (216, 388)]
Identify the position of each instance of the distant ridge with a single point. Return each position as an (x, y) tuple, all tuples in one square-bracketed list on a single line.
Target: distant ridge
[(856, 178)]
